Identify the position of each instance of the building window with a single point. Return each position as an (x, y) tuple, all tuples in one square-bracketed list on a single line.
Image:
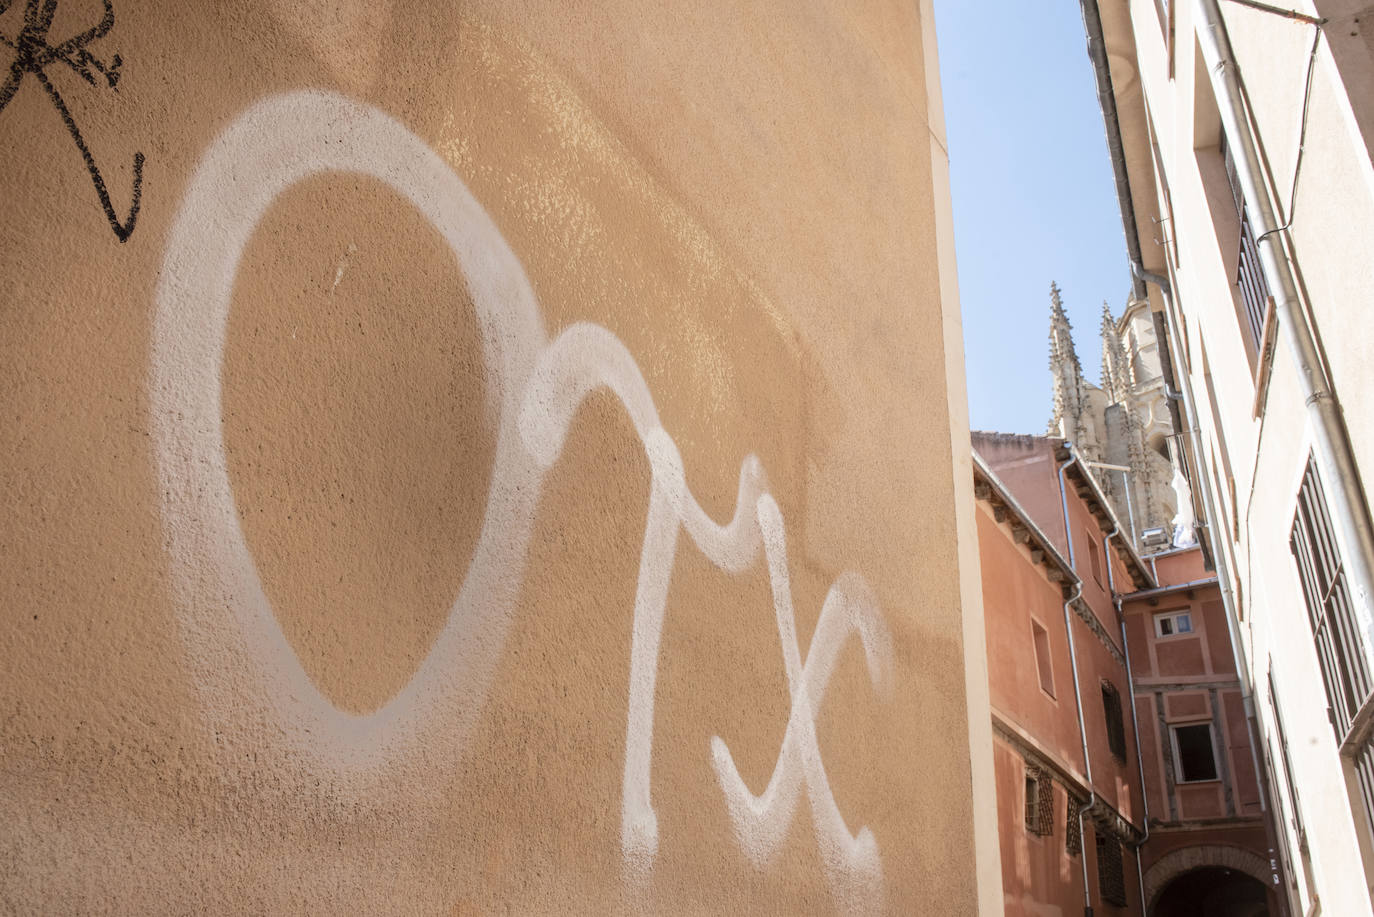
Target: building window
[(1282, 736), (1172, 623), (1111, 877), (1254, 289), (1340, 650), (1329, 609), (1194, 755), (1116, 728), (1042, 657), (1364, 778), (1039, 801), (1094, 558), (1073, 828)]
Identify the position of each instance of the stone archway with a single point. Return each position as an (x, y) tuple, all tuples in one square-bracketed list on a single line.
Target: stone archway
[(1177, 862)]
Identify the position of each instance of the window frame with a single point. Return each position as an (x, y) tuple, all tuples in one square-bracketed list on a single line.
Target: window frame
[(1073, 825), (1173, 616), (1281, 736), (1044, 660), (1115, 720), (1094, 557), (1336, 634), (1179, 779), (1038, 809), (1111, 868)]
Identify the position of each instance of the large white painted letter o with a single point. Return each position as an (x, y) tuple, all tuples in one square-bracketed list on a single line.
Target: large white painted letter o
[(245, 669)]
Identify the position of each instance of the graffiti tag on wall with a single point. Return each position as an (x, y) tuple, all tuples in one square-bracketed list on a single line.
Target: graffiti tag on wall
[(242, 659), (34, 53)]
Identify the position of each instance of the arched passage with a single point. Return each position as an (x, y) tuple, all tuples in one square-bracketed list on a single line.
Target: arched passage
[(1208, 881), (1212, 891)]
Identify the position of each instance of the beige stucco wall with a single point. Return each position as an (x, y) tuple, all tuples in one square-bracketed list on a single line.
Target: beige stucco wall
[(360, 538)]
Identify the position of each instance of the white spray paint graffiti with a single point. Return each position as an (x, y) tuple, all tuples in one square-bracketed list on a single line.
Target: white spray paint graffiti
[(761, 822), (239, 653)]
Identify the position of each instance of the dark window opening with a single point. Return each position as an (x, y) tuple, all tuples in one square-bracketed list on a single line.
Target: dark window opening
[(1116, 728), (1196, 757)]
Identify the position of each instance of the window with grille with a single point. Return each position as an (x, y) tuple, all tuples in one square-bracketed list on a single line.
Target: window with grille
[(1282, 736), (1364, 778), (1340, 650), (1111, 877), (1116, 728), (1335, 630), (1039, 801), (1073, 828), (1254, 289)]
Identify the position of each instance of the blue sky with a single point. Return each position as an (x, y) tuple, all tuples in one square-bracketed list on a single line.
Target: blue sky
[(1033, 198)]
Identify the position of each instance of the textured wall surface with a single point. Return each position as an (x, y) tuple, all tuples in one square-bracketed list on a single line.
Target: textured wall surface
[(459, 457)]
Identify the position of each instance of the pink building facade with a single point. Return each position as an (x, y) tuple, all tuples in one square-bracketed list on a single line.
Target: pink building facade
[(1114, 693)]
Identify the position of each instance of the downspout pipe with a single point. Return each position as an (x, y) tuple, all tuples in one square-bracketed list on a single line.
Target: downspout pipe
[(1334, 454), (1135, 720), (1077, 690)]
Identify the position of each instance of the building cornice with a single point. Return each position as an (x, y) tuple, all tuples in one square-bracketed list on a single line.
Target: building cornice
[(1170, 589), (1085, 613), (989, 489)]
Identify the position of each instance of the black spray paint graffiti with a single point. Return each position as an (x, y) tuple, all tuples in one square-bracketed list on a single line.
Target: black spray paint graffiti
[(32, 53)]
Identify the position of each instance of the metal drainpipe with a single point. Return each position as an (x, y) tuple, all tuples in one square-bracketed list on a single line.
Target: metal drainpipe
[(1077, 690), (1135, 721), (1333, 450), (1227, 595)]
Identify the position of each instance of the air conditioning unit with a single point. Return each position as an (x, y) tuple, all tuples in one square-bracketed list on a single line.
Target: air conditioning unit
[(1155, 538)]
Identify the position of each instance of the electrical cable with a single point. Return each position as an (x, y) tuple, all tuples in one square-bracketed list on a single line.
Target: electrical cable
[(1302, 133)]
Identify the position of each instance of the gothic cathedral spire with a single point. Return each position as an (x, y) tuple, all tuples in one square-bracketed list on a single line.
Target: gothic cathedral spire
[(1116, 366), (1066, 373)]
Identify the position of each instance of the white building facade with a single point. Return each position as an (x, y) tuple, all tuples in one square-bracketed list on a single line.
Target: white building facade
[(1241, 133)]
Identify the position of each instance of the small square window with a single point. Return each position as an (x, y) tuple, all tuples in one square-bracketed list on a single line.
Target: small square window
[(1194, 756), (1173, 623)]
